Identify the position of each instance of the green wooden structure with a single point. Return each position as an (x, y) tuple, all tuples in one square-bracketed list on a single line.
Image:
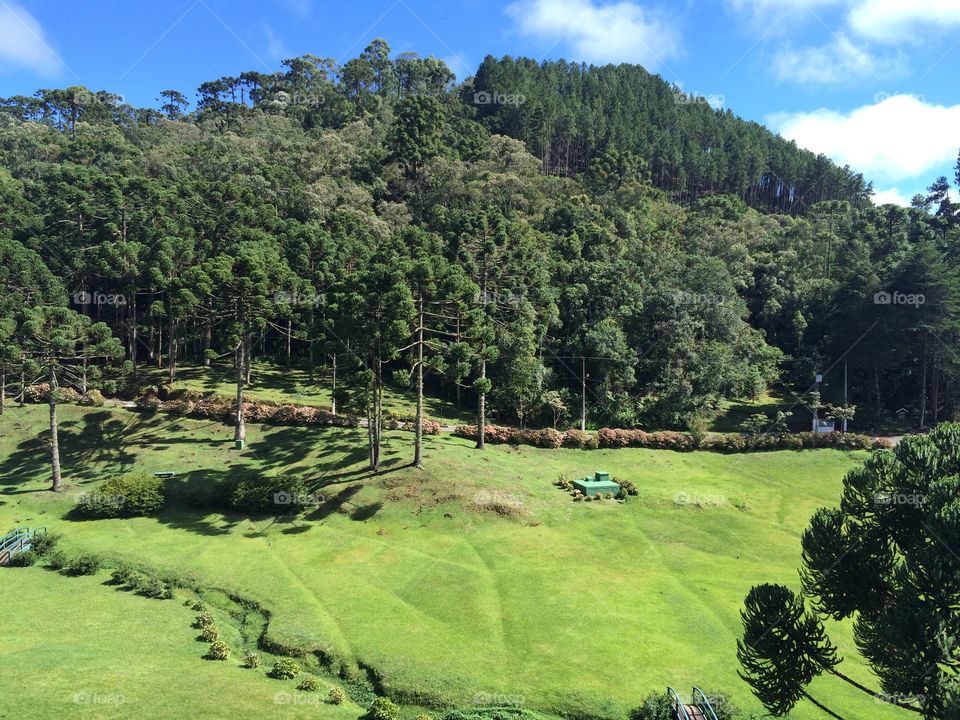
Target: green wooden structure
[(599, 484)]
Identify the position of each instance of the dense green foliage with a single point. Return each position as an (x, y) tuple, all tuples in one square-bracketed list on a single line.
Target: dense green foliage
[(124, 496), (375, 218)]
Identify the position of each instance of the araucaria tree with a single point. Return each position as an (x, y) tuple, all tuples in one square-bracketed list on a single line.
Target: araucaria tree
[(58, 338), (887, 558)]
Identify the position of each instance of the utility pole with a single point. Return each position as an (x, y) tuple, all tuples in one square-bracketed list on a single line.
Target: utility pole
[(845, 403), (583, 396)]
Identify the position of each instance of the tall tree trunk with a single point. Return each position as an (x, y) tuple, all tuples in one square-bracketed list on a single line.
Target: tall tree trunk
[(57, 484), (240, 426), (923, 385), (482, 407), (171, 350), (3, 390), (23, 386), (418, 431), (207, 342), (289, 339), (83, 378), (248, 359), (333, 390), (133, 330)]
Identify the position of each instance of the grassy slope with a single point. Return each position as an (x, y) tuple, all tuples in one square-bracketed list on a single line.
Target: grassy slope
[(73, 648), (571, 606)]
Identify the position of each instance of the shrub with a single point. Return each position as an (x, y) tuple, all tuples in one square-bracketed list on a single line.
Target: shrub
[(57, 559), (626, 486), (85, 564), (124, 496), (123, 576), (37, 393), (203, 619), (27, 558), (336, 696), (154, 588), (881, 443), (309, 684), (67, 395), (424, 716), (199, 606), (576, 439), (265, 493), (285, 669), (219, 650), (698, 425), (656, 706), (209, 633), (44, 542), (383, 709), (251, 660), (93, 398)]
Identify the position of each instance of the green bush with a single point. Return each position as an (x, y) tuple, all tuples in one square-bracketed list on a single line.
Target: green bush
[(285, 669), (57, 559), (336, 696), (656, 706), (85, 564), (44, 542), (209, 633), (93, 398), (265, 493), (203, 620), (124, 576), (124, 496), (309, 684), (198, 606), (219, 650), (383, 709), (27, 558), (155, 588), (251, 660)]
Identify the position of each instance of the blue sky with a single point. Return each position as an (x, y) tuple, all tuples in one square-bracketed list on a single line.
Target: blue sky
[(872, 83)]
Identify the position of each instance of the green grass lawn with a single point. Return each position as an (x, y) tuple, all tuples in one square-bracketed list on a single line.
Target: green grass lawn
[(577, 608), (71, 647)]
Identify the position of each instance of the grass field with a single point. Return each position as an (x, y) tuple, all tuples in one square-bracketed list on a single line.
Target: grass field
[(576, 608)]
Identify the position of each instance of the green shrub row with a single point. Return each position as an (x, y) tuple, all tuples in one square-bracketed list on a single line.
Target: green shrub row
[(670, 440), (211, 406)]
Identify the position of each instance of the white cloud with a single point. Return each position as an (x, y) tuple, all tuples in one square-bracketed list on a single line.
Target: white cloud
[(458, 64), (840, 62), (620, 32), (22, 43), (903, 21), (898, 138), (893, 196), (276, 48)]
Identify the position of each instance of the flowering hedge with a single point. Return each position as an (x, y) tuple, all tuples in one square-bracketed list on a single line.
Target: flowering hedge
[(211, 406), (669, 440)]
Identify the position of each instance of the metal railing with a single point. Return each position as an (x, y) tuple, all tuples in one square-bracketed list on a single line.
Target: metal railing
[(679, 708), (703, 703), (17, 541)]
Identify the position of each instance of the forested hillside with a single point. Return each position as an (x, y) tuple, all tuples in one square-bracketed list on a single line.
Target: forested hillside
[(377, 217)]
